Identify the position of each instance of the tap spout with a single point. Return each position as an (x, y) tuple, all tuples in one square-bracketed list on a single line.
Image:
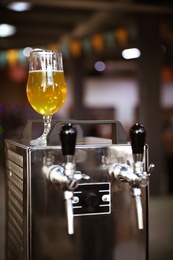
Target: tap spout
[(68, 195), (136, 192)]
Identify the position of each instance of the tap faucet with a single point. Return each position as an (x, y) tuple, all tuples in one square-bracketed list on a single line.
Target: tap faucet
[(135, 175), (138, 136), (66, 175), (68, 140)]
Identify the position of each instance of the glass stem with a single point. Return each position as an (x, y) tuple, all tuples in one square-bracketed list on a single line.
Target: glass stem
[(47, 125)]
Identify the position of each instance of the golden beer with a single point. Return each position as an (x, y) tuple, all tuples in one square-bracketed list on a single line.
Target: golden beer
[(46, 91)]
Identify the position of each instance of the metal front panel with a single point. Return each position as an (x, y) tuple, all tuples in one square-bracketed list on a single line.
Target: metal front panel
[(98, 235), (110, 236)]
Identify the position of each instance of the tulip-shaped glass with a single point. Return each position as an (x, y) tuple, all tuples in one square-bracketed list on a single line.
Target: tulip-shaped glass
[(46, 87)]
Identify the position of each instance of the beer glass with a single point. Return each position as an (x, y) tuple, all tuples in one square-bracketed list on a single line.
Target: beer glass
[(46, 87)]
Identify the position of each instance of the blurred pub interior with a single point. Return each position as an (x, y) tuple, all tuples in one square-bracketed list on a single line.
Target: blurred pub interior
[(102, 84)]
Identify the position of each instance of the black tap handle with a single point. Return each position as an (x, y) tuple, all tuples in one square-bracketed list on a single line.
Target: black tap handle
[(68, 135), (137, 135)]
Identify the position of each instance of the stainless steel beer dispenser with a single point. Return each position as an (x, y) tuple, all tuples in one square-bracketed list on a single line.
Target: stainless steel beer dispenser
[(78, 197)]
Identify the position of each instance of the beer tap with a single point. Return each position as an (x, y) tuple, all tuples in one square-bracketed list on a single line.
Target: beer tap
[(135, 175), (138, 135), (66, 175), (68, 140)]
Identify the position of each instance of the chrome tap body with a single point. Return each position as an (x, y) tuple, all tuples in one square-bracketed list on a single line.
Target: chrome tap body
[(66, 175), (135, 175)]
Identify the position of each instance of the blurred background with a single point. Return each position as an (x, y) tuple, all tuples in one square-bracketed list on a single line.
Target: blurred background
[(118, 63)]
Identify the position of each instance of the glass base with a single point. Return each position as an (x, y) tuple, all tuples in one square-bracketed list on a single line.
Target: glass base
[(42, 140), (39, 141)]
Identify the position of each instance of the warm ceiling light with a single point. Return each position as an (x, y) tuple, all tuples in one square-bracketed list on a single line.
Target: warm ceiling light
[(19, 6), (131, 53), (7, 30)]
